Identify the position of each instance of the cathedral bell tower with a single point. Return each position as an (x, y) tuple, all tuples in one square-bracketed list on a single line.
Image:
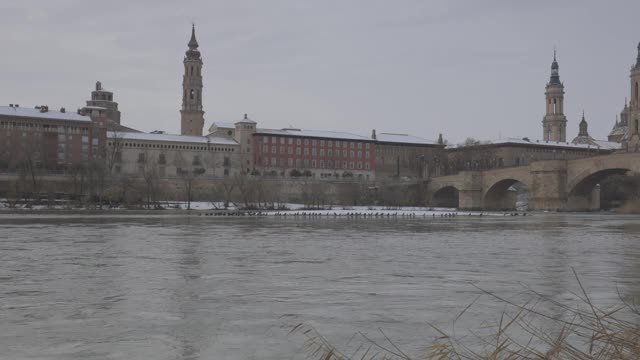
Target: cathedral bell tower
[(554, 123), (192, 115)]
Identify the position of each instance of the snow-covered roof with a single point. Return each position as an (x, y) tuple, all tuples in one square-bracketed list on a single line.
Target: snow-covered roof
[(218, 140), (612, 145), (516, 141), (35, 113), (619, 130), (246, 120), (314, 133), (403, 139), (225, 125)]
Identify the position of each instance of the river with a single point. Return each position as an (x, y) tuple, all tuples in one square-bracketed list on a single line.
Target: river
[(186, 287)]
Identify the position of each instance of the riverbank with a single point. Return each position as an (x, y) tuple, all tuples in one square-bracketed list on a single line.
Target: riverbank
[(288, 210)]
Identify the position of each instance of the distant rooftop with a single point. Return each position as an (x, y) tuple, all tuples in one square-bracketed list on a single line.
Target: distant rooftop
[(323, 134), (36, 113), (403, 139), (605, 145)]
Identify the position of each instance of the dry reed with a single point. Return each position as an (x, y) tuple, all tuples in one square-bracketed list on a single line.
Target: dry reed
[(586, 332)]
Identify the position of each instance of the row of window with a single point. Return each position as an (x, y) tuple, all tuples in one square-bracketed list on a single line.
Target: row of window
[(314, 142), (314, 152), (174, 147), (43, 127), (304, 163)]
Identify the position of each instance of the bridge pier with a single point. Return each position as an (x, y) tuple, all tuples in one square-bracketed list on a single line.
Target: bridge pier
[(548, 185), (470, 193)]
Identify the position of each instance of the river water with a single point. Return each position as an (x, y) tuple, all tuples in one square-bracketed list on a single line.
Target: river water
[(185, 287)]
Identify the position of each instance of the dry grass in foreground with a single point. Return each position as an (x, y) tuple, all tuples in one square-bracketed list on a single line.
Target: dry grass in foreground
[(585, 332)]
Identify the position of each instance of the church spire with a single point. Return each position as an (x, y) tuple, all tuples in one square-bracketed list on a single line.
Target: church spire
[(555, 73), (193, 43)]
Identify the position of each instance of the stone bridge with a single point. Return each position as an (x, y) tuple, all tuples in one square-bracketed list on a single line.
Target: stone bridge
[(551, 184)]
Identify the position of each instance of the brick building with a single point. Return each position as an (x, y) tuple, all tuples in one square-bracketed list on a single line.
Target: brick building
[(319, 154), (50, 141)]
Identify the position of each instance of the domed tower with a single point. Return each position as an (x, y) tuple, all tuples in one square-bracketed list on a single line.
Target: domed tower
[(554, 123), (583, 127), (634, 106), (102, 101), (192, 115), (583, 135)]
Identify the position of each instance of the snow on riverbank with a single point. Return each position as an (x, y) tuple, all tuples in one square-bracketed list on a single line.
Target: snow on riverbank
[(289, 210)]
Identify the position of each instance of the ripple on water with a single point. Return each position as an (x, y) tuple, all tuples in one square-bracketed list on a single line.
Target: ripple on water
[(90, 287)]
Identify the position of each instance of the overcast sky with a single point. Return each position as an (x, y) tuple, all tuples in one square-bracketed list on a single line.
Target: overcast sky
[(461, 68)]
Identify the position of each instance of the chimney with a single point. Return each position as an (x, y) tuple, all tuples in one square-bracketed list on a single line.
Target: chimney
[(44, 108), (373, 134), (16, 105), (10, 105), (63, 110)]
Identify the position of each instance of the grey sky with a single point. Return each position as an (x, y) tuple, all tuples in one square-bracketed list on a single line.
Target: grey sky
[(463, 68)]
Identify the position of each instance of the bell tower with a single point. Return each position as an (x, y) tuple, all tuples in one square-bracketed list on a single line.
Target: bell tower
[(192, 115), (554, 123)]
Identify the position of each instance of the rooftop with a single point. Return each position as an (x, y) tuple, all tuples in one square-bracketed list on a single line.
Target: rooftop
[(35, 113), (403, 139), (217, 140), (607, 145), (314, 133)]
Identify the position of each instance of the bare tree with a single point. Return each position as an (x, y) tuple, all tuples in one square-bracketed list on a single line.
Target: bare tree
[(149, 172), (246, 188), (188, 173), (30, 167), (227, 186)]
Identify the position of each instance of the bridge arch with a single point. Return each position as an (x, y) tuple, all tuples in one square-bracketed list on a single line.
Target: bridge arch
[(502, 194), (587, 179), (582, 193), (446, 196)]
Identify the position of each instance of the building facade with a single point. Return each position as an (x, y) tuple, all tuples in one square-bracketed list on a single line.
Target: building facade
[(516, 152), (318, 154), (403, 156), (46, 141), (168, 156)]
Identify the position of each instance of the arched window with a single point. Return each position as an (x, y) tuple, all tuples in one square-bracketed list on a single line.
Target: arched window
[(191, 94), (192, 70), (636, 92), (554, 106), (637, 126)]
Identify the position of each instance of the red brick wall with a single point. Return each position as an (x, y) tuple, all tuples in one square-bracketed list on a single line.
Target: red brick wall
[(291, 152), (39, 140)]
